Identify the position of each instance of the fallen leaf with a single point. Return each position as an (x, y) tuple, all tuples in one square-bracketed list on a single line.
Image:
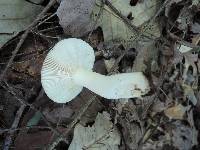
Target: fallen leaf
[(185, 18), (15, 16), (132, 133), (115, 30), (195, 28), (32, 141), (79, 17), (147, 54), (189, 94), (176, 112), (196, 39), (109, 64), (103, 135), (74, 16), (183, 137), (190, 72)]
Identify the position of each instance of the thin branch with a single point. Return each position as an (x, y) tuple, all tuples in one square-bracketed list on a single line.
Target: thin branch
[(23, 102), (8, 139), (2, 131), (24, 35)]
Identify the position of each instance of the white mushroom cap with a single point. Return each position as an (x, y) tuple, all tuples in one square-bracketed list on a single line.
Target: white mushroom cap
[(59, 66)]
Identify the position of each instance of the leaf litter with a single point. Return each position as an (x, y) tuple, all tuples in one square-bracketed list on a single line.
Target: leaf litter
[(158, 38)]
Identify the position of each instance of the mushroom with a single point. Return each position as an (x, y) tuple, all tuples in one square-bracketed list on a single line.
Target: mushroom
[(68, 67)]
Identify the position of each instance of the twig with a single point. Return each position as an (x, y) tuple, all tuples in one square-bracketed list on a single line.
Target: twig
[(2, 131), (8, 139), (24, 35), (54, 14), (99, 140)]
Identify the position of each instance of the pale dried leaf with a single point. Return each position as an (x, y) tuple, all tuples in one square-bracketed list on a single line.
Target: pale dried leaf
[(15, 16), (109, 64), (103, 135), (147, 54), (189, 93), (185, 18), (190, 61), (132, 133), (176, 112), (195, 27), (115, 30)]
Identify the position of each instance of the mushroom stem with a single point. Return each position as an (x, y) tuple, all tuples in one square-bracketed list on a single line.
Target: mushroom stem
[(124, 85)]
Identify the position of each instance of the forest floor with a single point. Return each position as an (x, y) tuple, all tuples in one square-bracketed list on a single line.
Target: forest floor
[(160, 38)]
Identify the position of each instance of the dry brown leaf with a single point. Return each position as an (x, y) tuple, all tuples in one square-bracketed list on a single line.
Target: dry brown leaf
[(132, 133), (32, 141), (103, 135), (176, 112), (147, 54)]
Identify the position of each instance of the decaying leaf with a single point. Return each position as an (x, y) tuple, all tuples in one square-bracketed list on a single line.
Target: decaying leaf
[(32, 141), (176, 112), (109, 63), (185, 18), (195, 27), (74, 16), (183, 137), (103, 135), (189, 93), (132, 133), (15, 16), (190, 69), (115, 30), (147, 54)]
